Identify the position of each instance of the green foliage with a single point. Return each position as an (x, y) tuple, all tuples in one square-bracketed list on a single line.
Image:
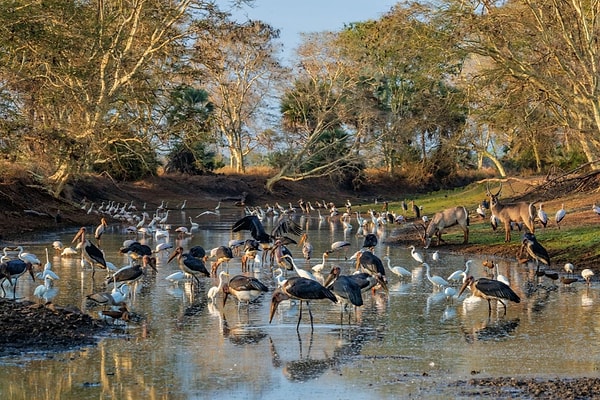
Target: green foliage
[(129, 161), (193, 159)]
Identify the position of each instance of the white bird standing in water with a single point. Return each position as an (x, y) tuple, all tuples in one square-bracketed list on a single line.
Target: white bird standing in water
[(416, 255)]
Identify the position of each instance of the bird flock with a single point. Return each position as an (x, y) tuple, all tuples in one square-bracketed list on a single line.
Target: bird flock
[(264, 251)]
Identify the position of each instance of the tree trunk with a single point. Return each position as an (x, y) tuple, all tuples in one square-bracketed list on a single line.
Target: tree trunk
[(496, 162)]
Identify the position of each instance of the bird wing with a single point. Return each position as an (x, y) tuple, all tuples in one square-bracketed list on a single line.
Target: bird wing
[(241, 282), (308, 289), (253, 224), (348, 289), (286, 225), (495, 288)]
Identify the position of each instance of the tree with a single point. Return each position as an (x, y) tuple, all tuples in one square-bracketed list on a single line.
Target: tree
[(238, 66), (406, 62), (546, 52), (314, 110), (85, 72)]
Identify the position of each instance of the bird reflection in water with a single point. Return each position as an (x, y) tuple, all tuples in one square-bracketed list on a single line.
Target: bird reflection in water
[(241, 334), (491, 330), (306, 367)]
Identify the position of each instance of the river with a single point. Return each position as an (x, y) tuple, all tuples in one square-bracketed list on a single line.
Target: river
[(412, 342)]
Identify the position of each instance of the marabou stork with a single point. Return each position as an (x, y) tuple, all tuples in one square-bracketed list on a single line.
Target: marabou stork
[(345, 289), (13, 269), (489, 289), (301, 289), (90, 250), (244, 289), (372, 265), (189, 264)]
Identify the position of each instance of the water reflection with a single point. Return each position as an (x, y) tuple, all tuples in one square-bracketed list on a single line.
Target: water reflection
[(491, 330), (185, 346)]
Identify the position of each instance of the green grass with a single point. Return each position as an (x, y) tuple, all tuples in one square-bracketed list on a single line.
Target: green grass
[(577, 244)]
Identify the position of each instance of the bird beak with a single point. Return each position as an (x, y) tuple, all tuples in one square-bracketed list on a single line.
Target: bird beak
[(173, 255), (329, 279), (78, 235), (274, 305), (152, 263), (383, 284), (225, 297), (464, 286), (30, 268)]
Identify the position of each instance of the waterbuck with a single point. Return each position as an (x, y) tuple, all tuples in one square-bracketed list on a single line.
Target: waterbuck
[(445, 219), (514, 212)]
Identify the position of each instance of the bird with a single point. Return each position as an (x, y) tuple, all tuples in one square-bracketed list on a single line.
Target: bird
[(450, 294), (372, 265), (346, 290), (214, 291), (587, 275), (45, 292), (93, 253), (370, 241), (257, 230), (301, 272), (489, 289), (569, 268), (461, 275), (480, 210), (189, 264), (114, 298), (398, 270), (543, 217), (535, 250), (321, 266), (11, 270), (244, 289), (223, 254), (28, 257), (339, 245), (416, 255), (435, 256), (304, 290), (100, 229), (136, 250), (279, 278), (596, 209), (560, 215), (131, 273), (114, 315), (307, 247), (437, 281)]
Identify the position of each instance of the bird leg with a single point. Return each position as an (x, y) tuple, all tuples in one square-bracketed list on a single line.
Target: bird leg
[(299, 317), (312, 328), (501, 302)]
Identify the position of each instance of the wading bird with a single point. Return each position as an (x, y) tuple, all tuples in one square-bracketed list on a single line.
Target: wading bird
[(94, 255), (11, 270), (346, 289), (189, 264), (100, 229), (398, 270), (214, 291), (301, 289), (437, 281), (461, 275), (543, 217), (535, 250), (416, 255), (569, 268), (489, 289), (587, 275), (372, 265), (244, 288)]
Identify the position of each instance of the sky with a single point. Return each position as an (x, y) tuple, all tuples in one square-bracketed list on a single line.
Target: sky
[(293, 17)]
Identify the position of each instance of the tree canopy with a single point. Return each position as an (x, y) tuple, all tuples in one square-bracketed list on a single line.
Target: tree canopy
[(425, 91)]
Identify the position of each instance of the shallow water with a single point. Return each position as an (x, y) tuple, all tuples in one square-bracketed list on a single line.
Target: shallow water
[(410, 343)]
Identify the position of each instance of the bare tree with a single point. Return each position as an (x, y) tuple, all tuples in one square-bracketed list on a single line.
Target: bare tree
[(237, 64)]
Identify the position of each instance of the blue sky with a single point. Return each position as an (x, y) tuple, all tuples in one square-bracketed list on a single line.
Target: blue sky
[(303, 16)]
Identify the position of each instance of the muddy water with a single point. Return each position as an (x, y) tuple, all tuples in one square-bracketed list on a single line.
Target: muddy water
[(410, 343)]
